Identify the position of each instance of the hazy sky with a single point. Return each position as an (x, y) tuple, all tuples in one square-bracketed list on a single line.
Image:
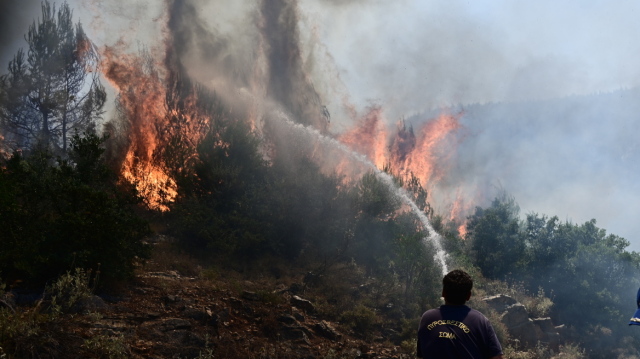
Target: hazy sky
[(412, 56), (573, 157), (437, 53), (416, 54)]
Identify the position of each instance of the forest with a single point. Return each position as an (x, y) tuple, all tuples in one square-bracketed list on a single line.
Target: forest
[(242, 200)]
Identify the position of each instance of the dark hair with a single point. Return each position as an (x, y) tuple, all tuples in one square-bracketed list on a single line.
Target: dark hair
[(456, 286)]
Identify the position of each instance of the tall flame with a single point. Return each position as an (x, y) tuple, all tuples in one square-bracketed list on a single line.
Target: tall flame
[(148, 104), (369, 137), (154, 112), (425, 153)]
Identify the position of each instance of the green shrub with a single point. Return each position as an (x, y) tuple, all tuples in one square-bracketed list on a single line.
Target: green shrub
[(409, 346), (267, 296), (538, 306), (59, 214), (108, 347), (25, 333), (68, 290), (361, 320), (570, 351)]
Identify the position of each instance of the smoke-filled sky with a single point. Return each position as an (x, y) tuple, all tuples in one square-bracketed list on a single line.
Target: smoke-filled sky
[(548, 89)]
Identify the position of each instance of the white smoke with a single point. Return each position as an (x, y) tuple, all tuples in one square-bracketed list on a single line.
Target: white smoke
[(567, 156)]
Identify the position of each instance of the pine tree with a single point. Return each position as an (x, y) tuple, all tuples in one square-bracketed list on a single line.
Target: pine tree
[(52, 91)]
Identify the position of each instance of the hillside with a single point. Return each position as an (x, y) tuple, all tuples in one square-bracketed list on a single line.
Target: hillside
[(174, 309)]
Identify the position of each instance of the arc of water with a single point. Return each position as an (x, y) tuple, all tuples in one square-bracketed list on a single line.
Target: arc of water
[(432, 237)]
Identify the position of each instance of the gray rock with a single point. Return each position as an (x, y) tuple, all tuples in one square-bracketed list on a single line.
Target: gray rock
[(287, 319), (292, 333), (545, 325), (296, 288), (249, 295), (515, 315), (174, 324), (303, 304), (297, 314), (325, 329), (526, 333), (499, 302), (196, 314)]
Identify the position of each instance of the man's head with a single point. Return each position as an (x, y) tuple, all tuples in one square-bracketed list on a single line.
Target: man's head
[(456, 287)]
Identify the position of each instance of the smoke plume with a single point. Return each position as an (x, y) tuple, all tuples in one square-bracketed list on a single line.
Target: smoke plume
[(328, 63), (15, 18)]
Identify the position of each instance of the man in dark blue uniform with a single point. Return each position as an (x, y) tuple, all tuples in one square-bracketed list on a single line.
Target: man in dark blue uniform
[(454, 330), (635, 320)]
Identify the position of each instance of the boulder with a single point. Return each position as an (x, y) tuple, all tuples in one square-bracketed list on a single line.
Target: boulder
[(499, 302), (548, 332), (303, 304), (199, 315), (323, 328), (287, 319), (297, 314), (515, 315), (249, 295), (520, 326), (174, 324)]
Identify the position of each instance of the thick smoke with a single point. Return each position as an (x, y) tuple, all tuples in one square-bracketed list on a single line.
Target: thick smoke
[(288, 82), (569, 156), (15, 18), (248, 57)]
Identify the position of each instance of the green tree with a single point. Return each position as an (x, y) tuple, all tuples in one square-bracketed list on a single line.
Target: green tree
[(54, 91), (495, 241), (61, 214), (413, 263), (589, 274), (224, 206)]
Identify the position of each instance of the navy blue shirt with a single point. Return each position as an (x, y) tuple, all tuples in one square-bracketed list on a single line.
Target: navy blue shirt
[(456, 331)]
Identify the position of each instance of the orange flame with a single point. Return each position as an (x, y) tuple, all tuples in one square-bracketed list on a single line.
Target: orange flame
[(459, 210), (431, 153), (426, 153), (141, 95), (369, 137)]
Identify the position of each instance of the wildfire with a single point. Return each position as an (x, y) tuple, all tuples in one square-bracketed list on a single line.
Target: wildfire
[(458, 211), (426, 152), (424, 155), (369, 137), (154, 113), (428, 159)]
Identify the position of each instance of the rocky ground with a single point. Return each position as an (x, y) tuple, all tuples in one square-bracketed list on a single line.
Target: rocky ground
[(175, 309), (165, 315)]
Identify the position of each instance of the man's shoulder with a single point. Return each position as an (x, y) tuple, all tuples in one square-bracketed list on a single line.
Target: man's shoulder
[(476, 313), (478, 316), (430, 315), (433, 310)]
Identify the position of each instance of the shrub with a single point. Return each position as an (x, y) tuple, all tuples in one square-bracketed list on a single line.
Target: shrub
[(68, 290), (539, 305), (361, 320), (570, 351), (25, 333), (106, 346), (60, 214)]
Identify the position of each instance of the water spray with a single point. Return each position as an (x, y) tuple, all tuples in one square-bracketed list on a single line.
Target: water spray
[(433, 237)]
